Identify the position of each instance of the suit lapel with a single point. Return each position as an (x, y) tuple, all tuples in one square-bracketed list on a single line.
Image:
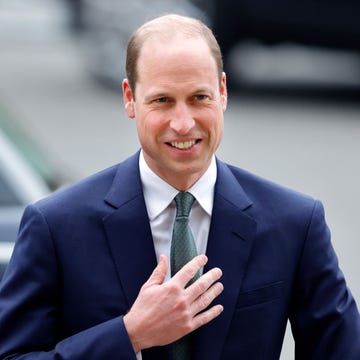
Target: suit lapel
[(229, 246), (128, 230)]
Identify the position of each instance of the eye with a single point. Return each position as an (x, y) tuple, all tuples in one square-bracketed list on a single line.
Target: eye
[(200, 97), (161, 100)]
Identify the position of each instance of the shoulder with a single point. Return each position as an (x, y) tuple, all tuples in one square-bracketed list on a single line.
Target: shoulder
[(278, 209), (91, 191), (268, 195), (95, 185)]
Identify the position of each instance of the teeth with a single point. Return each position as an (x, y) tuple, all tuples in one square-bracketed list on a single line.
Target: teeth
[(183, 145)]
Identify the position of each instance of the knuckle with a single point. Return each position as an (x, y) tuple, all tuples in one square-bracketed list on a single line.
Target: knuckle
[(188, 327), (205, 300), (185, 320), (181, 305), (216, 273), (201, 285), (199, 260), (189, 272), (201, 320), (211, 294), (173, 288), (218, 288), (208, 315)]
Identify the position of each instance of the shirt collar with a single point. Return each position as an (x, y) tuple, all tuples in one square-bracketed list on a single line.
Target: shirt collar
[(158, 194)]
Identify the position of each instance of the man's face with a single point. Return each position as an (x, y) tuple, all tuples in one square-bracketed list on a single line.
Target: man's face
[(178, 106)]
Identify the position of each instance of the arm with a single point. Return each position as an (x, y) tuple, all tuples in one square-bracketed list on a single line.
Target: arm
[(30, 306), (100, 342), (324, 317)]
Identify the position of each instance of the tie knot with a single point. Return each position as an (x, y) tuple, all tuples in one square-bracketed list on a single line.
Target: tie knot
[(184, 201)]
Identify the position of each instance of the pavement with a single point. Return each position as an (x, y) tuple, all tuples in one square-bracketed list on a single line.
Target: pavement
[(307, 140)]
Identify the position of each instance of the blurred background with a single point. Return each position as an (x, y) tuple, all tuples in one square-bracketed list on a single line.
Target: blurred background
[(293, 115)]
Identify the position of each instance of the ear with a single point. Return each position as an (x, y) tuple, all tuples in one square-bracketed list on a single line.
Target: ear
[(128, 98), (223, 91)]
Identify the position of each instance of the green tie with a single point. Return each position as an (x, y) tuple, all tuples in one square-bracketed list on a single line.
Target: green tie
[(183, 249)]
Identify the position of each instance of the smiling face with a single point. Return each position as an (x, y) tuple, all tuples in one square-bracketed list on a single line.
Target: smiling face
[(178, 105)]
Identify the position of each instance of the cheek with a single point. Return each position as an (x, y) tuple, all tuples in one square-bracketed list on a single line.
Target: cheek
[(149, 126), (219, 132), (215, 122)]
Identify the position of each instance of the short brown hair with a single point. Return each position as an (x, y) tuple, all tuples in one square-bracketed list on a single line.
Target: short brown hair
[(188, 26)]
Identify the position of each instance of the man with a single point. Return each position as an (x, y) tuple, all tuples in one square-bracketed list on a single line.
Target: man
[(89, 277)]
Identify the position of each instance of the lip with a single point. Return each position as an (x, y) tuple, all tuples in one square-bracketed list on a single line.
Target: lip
[(183, 145)]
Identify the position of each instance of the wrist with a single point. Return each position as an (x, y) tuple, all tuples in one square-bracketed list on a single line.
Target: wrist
[(132, 333)]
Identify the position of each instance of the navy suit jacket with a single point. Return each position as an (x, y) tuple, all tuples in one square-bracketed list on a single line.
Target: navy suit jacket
[(83, 253)]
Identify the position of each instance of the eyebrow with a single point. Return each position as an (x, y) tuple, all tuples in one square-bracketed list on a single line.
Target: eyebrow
[(156, 94)]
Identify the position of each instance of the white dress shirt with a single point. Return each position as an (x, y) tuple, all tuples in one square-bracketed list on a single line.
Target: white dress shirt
[(160, 204)]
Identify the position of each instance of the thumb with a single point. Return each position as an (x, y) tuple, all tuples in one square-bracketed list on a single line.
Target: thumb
[(158, 275)]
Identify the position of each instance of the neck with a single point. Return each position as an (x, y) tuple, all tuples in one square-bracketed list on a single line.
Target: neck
[(183, 184)]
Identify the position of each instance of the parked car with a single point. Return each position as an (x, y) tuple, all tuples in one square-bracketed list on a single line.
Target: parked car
[(20, 185)]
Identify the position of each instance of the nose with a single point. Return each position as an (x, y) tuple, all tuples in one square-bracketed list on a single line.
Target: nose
[(182, 120)]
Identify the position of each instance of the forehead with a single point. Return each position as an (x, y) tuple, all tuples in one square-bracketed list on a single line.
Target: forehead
[(177, 53)]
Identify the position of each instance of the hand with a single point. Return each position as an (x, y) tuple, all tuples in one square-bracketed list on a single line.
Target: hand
[(165, 312)]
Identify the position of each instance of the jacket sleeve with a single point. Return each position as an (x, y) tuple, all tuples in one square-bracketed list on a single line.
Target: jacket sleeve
[(30, 306), (324, 317)]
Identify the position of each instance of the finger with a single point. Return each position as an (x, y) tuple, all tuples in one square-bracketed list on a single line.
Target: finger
[(205, 299), (188, 271), (201, 285), (158, 275), (207, 316)]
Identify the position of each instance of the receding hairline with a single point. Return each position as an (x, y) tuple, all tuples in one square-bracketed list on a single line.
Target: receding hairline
[(190, 27), (166, 27)]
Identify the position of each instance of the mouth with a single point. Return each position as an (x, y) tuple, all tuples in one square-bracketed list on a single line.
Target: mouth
[(183, 145)]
